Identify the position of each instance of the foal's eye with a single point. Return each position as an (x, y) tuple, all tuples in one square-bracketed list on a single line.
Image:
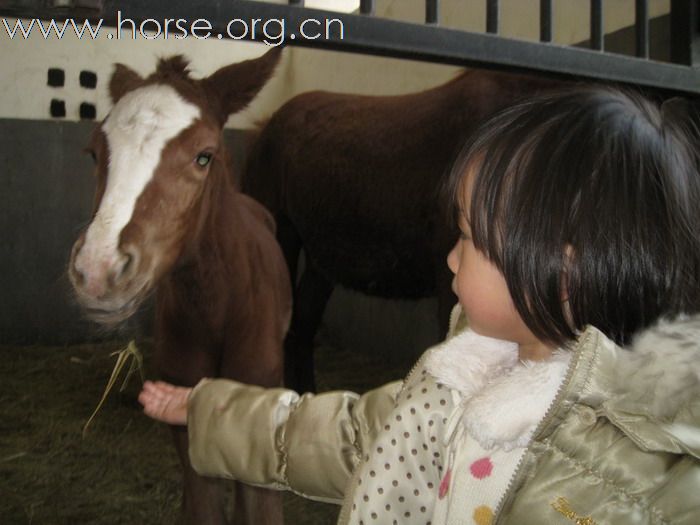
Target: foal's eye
[(92, 154), (203, 159)]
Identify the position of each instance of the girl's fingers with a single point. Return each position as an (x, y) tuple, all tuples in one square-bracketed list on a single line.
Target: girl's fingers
[(146, 398), (150, 388), (164, 402), (161, 387)]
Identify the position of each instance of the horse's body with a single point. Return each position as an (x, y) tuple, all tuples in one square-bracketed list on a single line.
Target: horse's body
[(355, 182), (169, 216)]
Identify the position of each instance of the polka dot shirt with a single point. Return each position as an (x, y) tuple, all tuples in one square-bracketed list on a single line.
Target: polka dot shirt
[(399, 480)]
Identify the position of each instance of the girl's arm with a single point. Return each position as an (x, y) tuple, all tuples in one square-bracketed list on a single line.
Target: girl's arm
[(275, 438)]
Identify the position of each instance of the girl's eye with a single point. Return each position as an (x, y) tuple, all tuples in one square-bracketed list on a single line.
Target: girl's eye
[(203, 159)]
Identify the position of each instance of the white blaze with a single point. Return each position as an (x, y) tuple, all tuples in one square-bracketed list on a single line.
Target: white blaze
[(137, 129)]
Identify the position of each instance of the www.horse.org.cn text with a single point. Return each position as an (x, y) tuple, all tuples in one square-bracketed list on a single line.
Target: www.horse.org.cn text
[(271, 31)]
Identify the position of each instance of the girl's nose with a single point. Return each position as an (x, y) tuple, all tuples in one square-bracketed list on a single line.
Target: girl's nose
[(453, 258)]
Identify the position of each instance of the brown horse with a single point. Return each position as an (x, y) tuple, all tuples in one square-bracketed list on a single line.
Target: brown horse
[(354, 181), (169, 217)]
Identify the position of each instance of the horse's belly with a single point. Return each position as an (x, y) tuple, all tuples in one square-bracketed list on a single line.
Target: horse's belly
[(383, 268)]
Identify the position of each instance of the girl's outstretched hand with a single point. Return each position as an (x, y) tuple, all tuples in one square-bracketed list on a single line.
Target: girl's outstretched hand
[(165, 402)]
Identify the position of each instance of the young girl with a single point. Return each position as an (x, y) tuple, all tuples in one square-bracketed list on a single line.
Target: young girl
[(574, 396)]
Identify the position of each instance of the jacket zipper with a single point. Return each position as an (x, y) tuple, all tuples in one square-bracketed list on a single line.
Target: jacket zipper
[(558, 398)]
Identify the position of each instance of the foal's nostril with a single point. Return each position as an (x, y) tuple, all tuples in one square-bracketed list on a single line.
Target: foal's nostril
[(129, 262), (77, 276)]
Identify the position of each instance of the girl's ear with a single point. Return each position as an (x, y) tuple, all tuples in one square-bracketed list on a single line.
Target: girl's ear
[(124, 79)]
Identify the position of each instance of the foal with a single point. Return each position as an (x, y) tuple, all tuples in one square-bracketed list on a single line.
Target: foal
[(169, 217)]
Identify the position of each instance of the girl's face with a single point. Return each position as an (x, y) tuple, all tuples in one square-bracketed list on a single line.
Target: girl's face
[(483, 293)]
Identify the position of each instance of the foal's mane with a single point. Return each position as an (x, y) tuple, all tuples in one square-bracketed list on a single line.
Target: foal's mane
[(176, 66)]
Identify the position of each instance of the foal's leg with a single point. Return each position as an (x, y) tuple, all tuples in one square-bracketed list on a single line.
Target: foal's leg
[(290, 242), (257, 362), (256, 506), (202, 498), (310, 299), (182, 360)]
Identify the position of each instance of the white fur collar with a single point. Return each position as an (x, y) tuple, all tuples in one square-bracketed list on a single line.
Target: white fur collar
[(501, 400), (661, 373)]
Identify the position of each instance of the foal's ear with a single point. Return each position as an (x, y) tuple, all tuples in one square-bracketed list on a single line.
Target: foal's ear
[(234, 86), (124, 79)]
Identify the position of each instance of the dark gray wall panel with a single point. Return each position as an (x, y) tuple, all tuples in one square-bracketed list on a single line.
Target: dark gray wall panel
[(45, 201)]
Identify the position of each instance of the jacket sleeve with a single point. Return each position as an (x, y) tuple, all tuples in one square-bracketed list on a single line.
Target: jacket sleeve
[(275, 438)]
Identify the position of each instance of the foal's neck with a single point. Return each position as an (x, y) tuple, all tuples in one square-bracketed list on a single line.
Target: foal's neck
[(214, 239), (204, 280)]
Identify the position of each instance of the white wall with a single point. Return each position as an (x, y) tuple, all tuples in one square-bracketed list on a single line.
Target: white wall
[(24, 63)]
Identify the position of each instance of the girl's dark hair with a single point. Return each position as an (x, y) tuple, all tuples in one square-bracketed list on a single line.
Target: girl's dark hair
[(591, 194)]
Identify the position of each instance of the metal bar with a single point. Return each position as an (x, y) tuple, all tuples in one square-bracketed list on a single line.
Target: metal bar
[(685, 28), (641, 25), (58, 8), (85, 4), (597, 32), (432, 12), (492, 16), (376, 36), (367, 7), (545, 20)]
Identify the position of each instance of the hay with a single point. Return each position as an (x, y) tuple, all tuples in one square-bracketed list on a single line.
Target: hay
[(123, 355), (125, 470)]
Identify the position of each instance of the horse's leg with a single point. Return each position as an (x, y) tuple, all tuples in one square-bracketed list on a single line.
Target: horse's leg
[(202, 498), (182, 359), (290, 242), (257, 362), (257, 506), (310, 299)]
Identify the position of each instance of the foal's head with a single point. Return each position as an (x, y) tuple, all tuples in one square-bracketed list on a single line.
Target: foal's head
[(154, 154)]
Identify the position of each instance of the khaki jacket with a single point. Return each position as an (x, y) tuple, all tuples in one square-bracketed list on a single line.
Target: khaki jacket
[(619, 445)]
